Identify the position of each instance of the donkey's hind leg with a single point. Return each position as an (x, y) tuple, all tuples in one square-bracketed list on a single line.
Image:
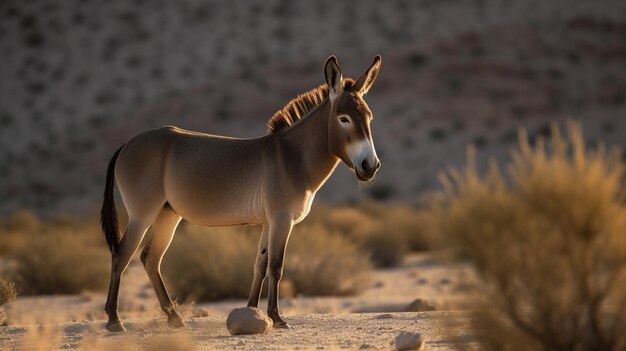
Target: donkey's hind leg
[(119, 262), (160, 237)]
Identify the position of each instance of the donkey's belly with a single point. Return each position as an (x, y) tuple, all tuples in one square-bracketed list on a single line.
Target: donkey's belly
[(218, 219), (215, 203), (217, 208)]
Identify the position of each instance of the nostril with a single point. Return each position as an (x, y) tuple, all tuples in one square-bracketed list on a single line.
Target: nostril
[(377, 164), (365, 166)]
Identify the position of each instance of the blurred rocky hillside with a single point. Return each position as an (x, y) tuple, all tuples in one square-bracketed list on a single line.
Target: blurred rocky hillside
[(80, 77)]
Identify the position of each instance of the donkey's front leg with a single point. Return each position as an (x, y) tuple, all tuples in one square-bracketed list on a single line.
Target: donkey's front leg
[(260, 270), (279, 230)]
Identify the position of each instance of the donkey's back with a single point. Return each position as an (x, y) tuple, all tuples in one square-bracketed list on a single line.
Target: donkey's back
[(174, 167)]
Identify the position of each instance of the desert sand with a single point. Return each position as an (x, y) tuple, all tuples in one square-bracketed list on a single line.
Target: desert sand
[(370, 320)]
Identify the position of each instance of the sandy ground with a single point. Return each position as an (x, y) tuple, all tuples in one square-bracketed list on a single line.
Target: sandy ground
[(309, 332), (371, 320)]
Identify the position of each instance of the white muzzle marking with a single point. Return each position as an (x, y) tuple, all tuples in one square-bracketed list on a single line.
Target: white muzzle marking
[(360, 151)]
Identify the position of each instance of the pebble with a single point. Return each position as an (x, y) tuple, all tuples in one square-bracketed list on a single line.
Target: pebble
[(409, 341)]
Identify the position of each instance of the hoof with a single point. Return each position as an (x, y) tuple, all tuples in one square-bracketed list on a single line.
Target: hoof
[(116, 327), (175, 322), (281, 325)]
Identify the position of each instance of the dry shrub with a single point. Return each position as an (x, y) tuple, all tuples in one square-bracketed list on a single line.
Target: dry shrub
[(206, 264), (386, 233), (17, 229), (385, 246), (57, 256), (10, 242), (23, 221), (14, 228), (385, 249), (549, 244), (60, 263), (60, 256), (350, 222), (319, 262), (415, 227)]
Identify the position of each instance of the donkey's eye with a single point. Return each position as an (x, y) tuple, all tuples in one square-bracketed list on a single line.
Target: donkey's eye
[(344, 119)]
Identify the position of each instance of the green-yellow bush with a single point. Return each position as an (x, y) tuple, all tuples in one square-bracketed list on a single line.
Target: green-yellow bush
[(549, 243)]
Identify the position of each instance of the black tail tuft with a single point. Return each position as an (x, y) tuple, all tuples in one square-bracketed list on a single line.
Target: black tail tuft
[(108, 215)]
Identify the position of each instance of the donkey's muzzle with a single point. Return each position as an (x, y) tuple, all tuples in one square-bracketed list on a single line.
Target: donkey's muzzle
[(367, 170)]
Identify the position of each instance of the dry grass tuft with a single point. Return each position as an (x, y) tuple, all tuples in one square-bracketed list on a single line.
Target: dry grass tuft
[(7, 294), (549, 244)]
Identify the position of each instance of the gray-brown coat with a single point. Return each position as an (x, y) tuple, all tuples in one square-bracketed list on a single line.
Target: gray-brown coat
[(168, 174)]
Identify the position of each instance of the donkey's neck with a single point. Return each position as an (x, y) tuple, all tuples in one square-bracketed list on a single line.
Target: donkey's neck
[(310, 137)]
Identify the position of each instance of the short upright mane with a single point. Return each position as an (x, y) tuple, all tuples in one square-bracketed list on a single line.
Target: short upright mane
[(300, 106)]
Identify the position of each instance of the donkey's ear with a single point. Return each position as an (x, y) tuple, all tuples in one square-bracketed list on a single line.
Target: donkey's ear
[(332, 72), (365, 81)]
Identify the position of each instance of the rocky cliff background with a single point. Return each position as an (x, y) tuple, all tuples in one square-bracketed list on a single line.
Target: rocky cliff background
[(80, 77)]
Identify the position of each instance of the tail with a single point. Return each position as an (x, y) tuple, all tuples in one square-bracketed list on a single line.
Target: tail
[(108, 215)]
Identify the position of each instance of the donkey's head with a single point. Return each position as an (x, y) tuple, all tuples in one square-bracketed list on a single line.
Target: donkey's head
[(349, 133)]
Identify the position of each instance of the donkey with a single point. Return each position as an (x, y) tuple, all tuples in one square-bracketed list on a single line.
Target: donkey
[(167, 174)]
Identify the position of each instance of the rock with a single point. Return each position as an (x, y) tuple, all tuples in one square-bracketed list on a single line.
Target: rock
[(409, 341), (248, 320), (419, 305)]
